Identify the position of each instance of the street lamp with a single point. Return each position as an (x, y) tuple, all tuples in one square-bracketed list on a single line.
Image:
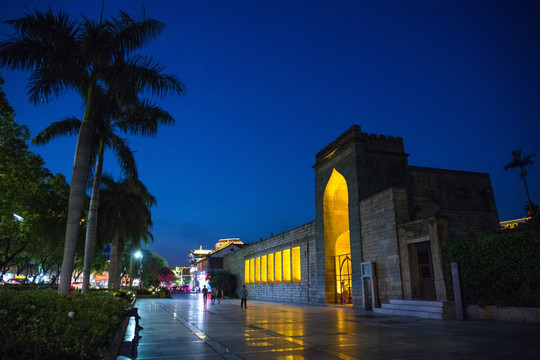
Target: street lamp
[(139, 255)]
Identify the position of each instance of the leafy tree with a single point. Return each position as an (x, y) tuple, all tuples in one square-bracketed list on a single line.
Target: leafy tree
[(167, 276), (518, 162), (28, 200), (224, 280), (152, 263), (89, 57)]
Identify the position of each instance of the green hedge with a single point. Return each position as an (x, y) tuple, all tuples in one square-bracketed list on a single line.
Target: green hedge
[(41, 324), (500, 270)]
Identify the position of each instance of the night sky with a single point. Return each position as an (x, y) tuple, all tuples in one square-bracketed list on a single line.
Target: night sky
[(271, 83)]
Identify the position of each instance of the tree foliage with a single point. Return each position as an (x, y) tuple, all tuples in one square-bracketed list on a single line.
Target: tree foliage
[(166, 275), (30, 191), (224, 280)]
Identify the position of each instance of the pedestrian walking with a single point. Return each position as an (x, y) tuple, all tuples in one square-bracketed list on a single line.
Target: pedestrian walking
[(214, 293), (243, 296), (219, 295), (205, 294)]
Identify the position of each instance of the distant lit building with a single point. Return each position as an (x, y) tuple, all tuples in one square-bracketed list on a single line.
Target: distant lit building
[(203, 262)]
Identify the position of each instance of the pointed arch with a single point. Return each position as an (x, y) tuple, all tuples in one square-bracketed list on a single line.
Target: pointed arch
[(337, 242)]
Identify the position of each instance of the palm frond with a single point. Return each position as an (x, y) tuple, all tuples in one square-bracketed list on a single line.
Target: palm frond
[(144, 74), (132, 34), (125, 156), (67, 126), (143, 118), (40, 37)]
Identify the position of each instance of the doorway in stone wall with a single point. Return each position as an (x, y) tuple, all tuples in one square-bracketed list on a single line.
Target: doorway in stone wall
[(337, 244), (425, 268), (343, 279)]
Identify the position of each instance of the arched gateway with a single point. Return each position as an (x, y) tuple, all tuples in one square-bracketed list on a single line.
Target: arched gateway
[(337, 240)]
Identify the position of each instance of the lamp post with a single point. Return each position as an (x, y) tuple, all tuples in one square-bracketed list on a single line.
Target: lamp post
[(139, 256)]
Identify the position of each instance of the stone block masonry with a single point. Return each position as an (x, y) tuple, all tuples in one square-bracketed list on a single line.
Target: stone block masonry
[(303, 292)]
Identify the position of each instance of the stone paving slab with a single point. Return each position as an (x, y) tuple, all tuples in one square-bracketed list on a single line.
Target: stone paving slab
[(185, 328)]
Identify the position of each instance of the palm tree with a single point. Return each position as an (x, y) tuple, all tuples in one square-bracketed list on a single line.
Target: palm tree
[(125, 210), (140, 118), (518, 162), (86, 56)]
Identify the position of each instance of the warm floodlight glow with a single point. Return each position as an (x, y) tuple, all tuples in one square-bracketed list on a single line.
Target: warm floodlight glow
[(278, 266), (246, 272), (337, 242), (252, 271), (271, 268), (258, 270), (264, 268), (287, 265), (296, 277)]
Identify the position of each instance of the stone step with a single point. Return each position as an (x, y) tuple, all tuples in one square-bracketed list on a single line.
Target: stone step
[(418, 308), (416, 302), (408, 307), (419, 314)]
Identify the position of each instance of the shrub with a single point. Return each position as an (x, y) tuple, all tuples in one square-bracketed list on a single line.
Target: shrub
[(499, 269), (41, 324)]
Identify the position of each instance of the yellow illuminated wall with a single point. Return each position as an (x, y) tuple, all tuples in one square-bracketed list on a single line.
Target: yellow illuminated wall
[(296, 277), (264, 269), (281, 266), (287, 265), (258, 270), (278, 266), (246, 272), (252, 271)]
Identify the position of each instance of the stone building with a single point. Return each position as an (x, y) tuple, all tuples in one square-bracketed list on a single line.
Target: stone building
[(379, 231)]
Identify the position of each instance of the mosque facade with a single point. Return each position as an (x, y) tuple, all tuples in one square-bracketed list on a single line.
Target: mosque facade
[(379, 232)]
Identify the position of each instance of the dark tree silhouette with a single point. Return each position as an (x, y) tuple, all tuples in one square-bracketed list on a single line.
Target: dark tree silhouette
[(520, 163)]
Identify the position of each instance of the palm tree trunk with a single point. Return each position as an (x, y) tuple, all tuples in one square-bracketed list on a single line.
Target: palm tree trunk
[(77, 193), (113, 260), (527, 191), (131, 270), (120, 262), (91, 227)]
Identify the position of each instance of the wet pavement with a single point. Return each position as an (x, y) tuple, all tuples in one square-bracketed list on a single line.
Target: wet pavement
[(185, 328)]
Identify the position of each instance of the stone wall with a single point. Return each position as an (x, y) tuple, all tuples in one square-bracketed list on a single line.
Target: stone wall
[(380, 215), (511, 314), (303, 292), (465, 198)]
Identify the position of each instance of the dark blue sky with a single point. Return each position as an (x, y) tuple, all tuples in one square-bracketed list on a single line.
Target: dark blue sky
[(270, 83)]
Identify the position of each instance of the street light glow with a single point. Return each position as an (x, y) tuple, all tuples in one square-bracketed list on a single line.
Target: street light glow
[(138, 254)]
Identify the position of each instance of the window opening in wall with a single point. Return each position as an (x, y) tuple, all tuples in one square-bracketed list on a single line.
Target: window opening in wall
[(258, 270), (252, 271), (278, 266), (343, 280), (271, 268), (246, 272), (287, 265), (264, 268), (296, 271)]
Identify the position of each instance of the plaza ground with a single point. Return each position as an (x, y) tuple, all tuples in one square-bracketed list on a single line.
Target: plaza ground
[(185, 328)]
